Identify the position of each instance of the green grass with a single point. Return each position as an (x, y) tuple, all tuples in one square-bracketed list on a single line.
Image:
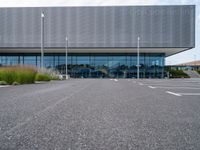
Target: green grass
[(54, 77), (177, 74), (198, 71), (15, 83), (42, 77), (3, 83), (19, 74), (15, 75)]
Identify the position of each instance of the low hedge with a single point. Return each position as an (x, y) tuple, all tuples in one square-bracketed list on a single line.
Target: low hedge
[(19, 74), (42, 77), (177, 74)]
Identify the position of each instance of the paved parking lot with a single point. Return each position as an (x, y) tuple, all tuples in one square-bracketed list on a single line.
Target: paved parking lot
[(177, 87), (101, 114)]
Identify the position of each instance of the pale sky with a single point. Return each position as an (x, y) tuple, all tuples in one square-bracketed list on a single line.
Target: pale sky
[(190, 55)]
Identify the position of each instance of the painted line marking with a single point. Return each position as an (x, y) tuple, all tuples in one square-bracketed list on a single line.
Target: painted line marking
[(115, 80), (170, 87), (141, 84), (173, 85), (172, 93), (193, 81), (151, 87), (2, 86), (190, 94), (111, 79)]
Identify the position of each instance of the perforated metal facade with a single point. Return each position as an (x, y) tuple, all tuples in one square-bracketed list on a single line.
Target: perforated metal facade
[(99, 27)]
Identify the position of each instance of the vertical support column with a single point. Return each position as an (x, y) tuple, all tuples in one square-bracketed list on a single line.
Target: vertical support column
[(66, 56), (42, 40), (138, 58)]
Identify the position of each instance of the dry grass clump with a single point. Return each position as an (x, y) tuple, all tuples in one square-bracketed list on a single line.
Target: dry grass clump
[(18, 74)]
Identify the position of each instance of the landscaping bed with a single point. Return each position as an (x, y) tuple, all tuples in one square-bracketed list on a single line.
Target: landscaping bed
[(15, 75), (177, 74)]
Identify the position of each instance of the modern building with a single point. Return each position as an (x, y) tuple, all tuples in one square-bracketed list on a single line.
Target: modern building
[(102, 41), (193, 65)]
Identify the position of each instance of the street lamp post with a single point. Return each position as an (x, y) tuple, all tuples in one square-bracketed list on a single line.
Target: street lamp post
[(66, 55), (194, 62), (138, 57), (42, 40)]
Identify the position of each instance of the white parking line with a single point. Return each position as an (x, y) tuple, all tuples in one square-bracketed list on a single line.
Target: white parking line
[(115, 80), (151, 87), (174, 85), (192, 81), (177, 87), (190, 94), (2, 86), (172, 93)]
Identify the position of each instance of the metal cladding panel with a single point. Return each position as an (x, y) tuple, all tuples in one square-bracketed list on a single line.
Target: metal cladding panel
[(99, 27)]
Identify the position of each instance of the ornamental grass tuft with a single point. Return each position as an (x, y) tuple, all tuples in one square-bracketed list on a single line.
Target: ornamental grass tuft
[(42, 77), (18, 74)]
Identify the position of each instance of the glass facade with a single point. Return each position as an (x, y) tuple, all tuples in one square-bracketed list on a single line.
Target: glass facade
[(95, 65)]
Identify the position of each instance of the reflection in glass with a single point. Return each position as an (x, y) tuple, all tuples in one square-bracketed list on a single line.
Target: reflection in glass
[(94, 65)]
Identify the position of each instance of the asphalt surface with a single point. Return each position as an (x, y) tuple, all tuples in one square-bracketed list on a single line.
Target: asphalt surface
[(105, 114)]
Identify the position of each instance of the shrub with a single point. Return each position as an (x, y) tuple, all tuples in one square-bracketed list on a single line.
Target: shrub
[(198, 71), (20, 74), (53, 74), (3, 83), (15, 83), (42, 77), (55, 78), (177, 74)]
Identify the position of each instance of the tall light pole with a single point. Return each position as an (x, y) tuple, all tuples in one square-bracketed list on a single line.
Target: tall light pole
[(138, 57), (194, 62), (42, 40), (66, 55)]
